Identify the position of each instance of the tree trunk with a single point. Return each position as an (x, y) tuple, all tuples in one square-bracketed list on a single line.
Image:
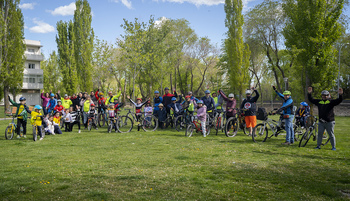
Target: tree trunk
[(6, 101), (171, 81)]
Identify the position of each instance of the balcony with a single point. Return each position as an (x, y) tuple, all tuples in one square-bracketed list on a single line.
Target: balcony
[(33, 71), (33, 86), (34, 57)]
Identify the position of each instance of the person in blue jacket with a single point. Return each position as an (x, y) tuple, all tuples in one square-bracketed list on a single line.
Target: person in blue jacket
[(175, 106), (157, 100), (288, 115), (208, 101), (51, 104)]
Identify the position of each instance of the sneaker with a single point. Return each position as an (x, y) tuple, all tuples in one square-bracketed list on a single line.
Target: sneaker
[(79, 131), (204, 135), (53, 133), (286, 143), (18, 136), (85, 128), (41, 138), (318, 147), (96, 128), (25, 136), (333, 149)]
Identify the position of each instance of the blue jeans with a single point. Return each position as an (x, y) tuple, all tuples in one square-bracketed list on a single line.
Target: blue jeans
[(45, 110), (289, 129)]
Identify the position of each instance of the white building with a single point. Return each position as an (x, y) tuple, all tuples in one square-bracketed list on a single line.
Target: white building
[(32, 74)]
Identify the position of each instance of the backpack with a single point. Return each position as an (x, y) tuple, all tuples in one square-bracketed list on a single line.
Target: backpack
[(262, 114)]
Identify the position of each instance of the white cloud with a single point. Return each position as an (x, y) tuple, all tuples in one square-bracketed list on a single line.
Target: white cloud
[(64, 10), (25, 6), (158, 23), (204, 2), (41, 27), (126, 3)]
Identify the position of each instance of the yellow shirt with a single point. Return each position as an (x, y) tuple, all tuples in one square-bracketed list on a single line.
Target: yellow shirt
[(20, 110), (36, 119), (87, 106), (57, 120)]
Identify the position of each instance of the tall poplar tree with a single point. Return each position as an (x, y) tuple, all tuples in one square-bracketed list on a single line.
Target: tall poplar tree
[(83, 44), (312, 29), (11, 47), (66, 59), (236, 52), (52, 73)]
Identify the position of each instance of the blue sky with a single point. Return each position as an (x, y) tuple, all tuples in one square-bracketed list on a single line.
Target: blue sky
[(206, 17)]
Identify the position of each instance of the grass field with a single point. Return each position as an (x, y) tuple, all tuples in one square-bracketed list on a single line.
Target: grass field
[(166, 165)]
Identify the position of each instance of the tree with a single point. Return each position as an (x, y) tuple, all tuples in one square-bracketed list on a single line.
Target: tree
[(83, 43), (311, 30), (11, 47), (236, 53), (52, 74), (65, 45)]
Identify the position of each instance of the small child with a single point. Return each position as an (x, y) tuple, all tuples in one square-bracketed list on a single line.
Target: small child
[(302, 113), (148, 108), (92, 114), (56, 123), (21, 114), (138, 106), (59, 108), (50, 125), (117, 105), (45, 124), (36, 119), (112, 114), (75, 118), (202, 115), (161, 113), (51, 104), (67, 117)]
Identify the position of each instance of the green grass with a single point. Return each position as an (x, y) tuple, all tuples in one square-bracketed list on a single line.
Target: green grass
[(166, 165)]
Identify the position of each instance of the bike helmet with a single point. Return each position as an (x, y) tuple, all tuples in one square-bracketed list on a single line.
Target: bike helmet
[(52, 95), (173, 99), (111, 105), (207, 92), (231, 95), (110, 92), (92, 105), (186, 97), (59, 101), (148, 102), (190, 93), (101, 94), (325, 93), (199, 102), (248, 92), (22, 99), (156, 92), (115, 99), (140, 99), (304, 104), (287, 93), (37, 107), (65, 95), (166, 88)]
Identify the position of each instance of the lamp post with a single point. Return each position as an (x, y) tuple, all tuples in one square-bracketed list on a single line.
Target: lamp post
[(285, 83), (341, 46)]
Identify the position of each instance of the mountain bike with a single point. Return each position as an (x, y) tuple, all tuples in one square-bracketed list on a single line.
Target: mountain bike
[(92, 122), (197, 127), (11, 128), (261, 130), (182, 121), (219, 121), (102, 118), (312, 132), (241, 121), (148, 122), (299, 131)]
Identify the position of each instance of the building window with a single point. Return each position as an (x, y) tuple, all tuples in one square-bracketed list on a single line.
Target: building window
[(39, 78), (31, 80), (31, 50), (31, 66)]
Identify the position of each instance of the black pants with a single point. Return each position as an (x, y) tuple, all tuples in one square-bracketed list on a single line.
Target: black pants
[(23, 123), (72, 124), (66, 126)]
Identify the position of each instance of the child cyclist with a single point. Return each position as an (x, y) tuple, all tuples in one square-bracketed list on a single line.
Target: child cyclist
[(117, 105), (92, 114), (138, 106), (302, 113), (112, 114), (51, 104), (75, 118), (202, 115), (37, 119), (161, 114), (21, 115)]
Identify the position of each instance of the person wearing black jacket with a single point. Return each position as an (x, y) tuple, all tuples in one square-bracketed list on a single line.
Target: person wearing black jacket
[(249, 108), (326, 115)]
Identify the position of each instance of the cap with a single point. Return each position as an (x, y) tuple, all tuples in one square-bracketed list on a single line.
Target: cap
[(161, 105)]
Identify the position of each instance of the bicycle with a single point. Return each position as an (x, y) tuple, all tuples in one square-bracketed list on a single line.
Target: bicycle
[(311, 132), (231, 127), (102, 117), (197, 126), (91, 122), (298, 129), (169, 121), (183, 120), (241, 121), (148, 122), (261, 131), (122, 124), (11, 128), (219, 121)]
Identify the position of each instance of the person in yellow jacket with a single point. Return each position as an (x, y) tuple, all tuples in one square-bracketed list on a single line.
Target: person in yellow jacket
[(110, 99), (37, 119), (86, 108), (66, 102)]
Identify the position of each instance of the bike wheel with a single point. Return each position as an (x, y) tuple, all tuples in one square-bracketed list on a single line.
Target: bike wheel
[(150, 123), (261, 133), (207, 128), (100, 120), (124, 124), (110, 127), (231, 127), (180, 123), (189, 130), (306, 137), (217, 125), (244, 128), (35, 136), (9, 132), (168, 122)]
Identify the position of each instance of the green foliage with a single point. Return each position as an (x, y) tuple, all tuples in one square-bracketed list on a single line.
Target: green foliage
[(67, 65), (11, 47), (83, 43), (52, 74), (311, 31)]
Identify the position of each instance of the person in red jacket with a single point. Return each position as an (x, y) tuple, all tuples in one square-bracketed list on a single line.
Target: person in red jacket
[(58, 107), (100, 100), (167, 98)]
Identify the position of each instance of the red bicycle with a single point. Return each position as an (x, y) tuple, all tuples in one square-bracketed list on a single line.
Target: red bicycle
[(197, 127)]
